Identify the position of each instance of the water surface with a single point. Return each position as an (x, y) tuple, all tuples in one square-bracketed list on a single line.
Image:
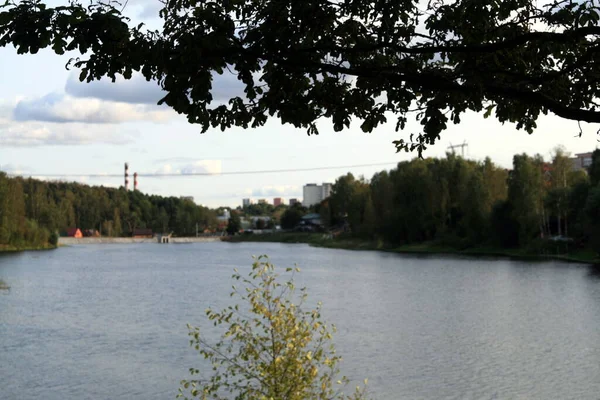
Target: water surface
[(109, 321)]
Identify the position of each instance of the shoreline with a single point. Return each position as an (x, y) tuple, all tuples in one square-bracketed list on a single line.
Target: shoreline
[(318, 240), (15, 249), (70, 241)]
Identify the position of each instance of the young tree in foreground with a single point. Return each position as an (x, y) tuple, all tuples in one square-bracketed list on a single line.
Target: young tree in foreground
[(299, 61), (272, 348)]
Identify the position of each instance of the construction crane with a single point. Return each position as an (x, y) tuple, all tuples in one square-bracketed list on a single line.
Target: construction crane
[(462, 147)]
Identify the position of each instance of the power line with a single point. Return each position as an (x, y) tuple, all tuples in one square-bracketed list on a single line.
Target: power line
[(184, 174)]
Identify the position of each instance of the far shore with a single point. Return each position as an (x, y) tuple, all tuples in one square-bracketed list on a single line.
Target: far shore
[(322, 240), (16, 249), (71, 241)]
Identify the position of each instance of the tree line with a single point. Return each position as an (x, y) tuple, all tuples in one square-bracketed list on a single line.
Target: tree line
[(463, 203), (33, 212)]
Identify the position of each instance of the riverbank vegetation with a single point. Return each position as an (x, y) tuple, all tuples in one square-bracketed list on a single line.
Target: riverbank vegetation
[(348, 242), (452, 204), (272, 346), (33, 213)]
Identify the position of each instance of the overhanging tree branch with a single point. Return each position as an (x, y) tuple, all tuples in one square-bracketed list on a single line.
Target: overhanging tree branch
[(301, 61)]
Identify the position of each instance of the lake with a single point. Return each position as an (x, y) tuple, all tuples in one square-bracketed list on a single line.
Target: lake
[(109, 321)]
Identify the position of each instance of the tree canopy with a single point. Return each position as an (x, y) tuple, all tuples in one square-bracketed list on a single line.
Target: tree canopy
[(537, 206), (31, 211), (301, 61)]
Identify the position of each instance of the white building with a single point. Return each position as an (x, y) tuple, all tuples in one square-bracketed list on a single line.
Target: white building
[(326, 190), (314, 194), (582, 161)]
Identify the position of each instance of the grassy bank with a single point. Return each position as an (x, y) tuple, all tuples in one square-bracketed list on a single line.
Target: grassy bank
[(13, 249), (348, 243)]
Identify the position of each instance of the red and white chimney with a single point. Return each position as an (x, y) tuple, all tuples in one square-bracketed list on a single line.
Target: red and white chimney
[(135, 181)]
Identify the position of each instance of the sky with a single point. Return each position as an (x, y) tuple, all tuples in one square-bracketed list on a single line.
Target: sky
[(50, 123)]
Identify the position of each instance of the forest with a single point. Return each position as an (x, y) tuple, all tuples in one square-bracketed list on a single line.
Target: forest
[(464, 203), (33, 213)]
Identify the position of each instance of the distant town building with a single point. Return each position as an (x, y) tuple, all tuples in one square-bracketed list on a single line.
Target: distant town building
[(189, 198), (327, 187), (246, 202), (314, 194), (141, 233), (581, 161), (277, 201), (74, 232), (91, 233), (262, 201), (293, 201)]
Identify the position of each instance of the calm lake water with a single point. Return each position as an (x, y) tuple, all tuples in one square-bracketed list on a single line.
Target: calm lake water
[(109, 321)]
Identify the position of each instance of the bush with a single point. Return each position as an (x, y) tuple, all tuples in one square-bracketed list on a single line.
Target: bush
[(278, 352), (34, 235), (550, 247), (53, 239)]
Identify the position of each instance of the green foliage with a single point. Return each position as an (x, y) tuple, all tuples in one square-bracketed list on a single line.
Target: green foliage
[(299, 61), (259, 209), (234, 224), (53, 239), (578, 221), (292, 217), (594, 169), (272, 348), (462, 203), (592, 215), (261, 224), (368, 219), (420, 200), (526, 194), (504, 228), (31, 209)]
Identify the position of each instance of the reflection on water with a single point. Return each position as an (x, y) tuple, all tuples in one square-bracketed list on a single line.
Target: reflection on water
[(594, 271), (108, 321)]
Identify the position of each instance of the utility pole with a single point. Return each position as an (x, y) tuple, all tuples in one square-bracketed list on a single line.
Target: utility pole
[(196, 229), (462, 147)]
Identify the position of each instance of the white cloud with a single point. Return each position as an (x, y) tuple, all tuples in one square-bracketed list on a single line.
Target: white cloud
[(202, 166), (14, 169), (277, 191), (30, 134), (196, 167), (151, 10), (57, 107), (136, 90)]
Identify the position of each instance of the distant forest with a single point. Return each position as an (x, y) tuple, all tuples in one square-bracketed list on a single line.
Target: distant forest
[(451, 200), (463, 203), (32, 212)]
